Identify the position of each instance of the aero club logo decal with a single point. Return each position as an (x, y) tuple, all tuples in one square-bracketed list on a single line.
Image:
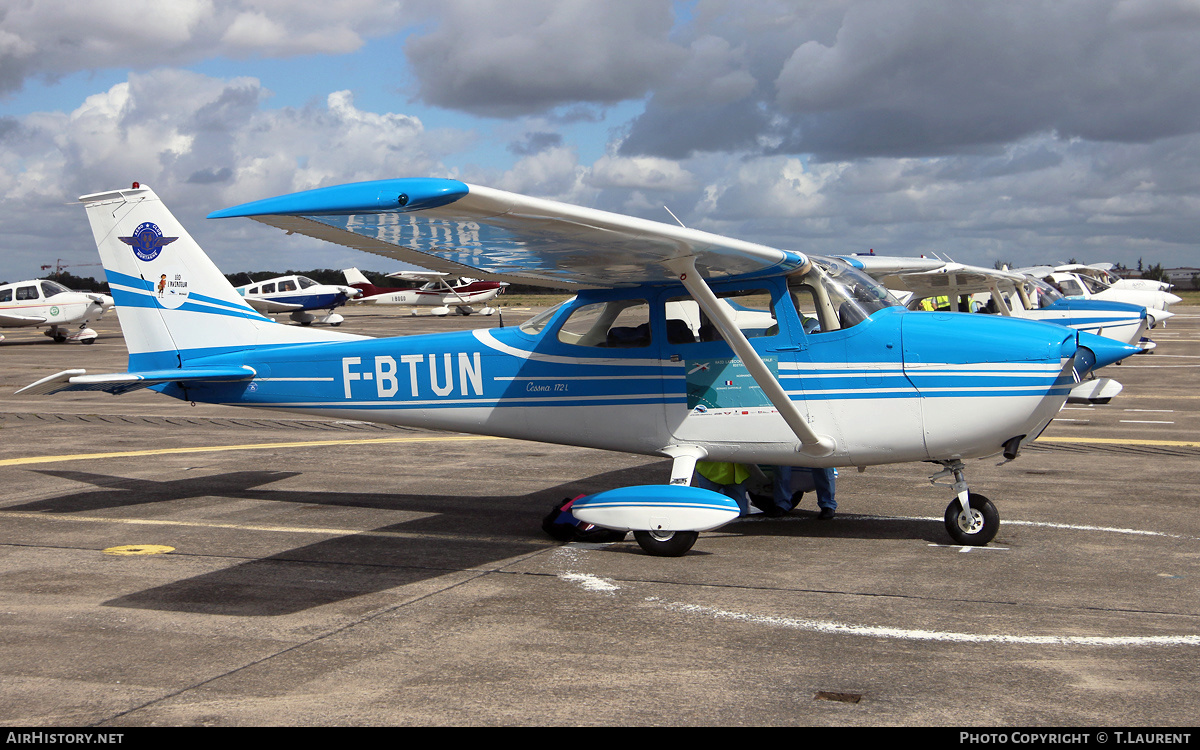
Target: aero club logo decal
[(147, 241)]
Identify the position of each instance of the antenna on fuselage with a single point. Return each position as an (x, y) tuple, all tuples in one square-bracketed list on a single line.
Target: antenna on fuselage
[(673, 216)]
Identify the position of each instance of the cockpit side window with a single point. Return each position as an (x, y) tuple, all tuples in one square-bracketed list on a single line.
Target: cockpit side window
[(287, 286), (268, 288), (1070, 288), (617, 324), (6, 295), (27, 293), (751, 310)]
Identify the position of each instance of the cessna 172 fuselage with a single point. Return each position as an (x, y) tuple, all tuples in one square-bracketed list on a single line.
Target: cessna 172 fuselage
[(722, 351)]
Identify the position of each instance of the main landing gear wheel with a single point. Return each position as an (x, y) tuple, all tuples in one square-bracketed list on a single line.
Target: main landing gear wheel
[(666, 543), (976, 527)]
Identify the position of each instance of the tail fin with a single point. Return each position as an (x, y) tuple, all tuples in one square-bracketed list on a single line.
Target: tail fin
[(174, 304), (355, 276)]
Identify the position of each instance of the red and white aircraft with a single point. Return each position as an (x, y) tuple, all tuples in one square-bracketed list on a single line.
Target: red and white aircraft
[(436, 292)]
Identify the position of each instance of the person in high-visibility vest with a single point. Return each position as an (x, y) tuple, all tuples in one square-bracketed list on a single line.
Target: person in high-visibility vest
[(727, 478)]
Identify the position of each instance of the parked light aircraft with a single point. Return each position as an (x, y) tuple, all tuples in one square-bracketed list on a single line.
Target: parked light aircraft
[(435, 292), (961, 288), (42, 302), (926, 286), (1075, 285), (1104, 273), (873, 384), (296, 295)]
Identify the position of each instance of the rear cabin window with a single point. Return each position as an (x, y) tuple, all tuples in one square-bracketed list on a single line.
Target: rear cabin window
[(751, 311), (6, 295), (268, 288), (619, 324)]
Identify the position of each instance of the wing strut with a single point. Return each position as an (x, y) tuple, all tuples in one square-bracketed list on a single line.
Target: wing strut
[(812, 444)]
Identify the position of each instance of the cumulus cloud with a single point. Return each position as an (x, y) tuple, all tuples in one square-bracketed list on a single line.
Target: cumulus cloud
[(48, 39), (507, 59), (202, 143), (926, 77)]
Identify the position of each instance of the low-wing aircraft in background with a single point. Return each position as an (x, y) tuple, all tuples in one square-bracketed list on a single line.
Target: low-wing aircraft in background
[(297, 295), (435, 291), (42, 302), (610, 368)]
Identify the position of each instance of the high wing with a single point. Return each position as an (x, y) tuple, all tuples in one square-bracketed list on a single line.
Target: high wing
[(10, 320), (951, 278), (468, 230), (417, 275), (882, 265)]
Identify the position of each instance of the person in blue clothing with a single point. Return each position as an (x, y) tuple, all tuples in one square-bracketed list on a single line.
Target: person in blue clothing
[(784, 499)]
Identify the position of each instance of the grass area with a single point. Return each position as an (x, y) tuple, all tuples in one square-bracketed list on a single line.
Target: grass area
[(1190, 296)]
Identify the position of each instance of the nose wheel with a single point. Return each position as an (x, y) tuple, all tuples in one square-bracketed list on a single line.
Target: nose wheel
[(977, 525), (971, 519)]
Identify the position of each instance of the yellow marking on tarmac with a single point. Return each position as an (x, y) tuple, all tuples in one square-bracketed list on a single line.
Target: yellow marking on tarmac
[(139, 549), (1120, 441), (248, 447), (237, 527)]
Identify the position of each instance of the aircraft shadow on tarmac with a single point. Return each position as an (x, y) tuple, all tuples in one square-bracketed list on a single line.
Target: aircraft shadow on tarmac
[(461, 533)]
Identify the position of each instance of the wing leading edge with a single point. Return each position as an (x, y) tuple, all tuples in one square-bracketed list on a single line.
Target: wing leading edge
[(468, 230)]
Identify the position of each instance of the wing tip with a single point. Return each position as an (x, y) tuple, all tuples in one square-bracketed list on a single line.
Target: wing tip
[(375, 196)]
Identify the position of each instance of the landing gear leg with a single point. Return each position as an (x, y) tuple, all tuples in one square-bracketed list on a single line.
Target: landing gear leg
[(971, 519)]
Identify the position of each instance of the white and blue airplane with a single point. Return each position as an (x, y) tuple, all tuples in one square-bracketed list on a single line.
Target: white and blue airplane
[(620, 366), (297, 295), (936, 285)]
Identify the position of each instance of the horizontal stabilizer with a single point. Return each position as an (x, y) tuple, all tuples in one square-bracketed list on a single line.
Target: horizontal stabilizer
[(267, 306), (1098, 391), (118, 383), (656, 507)]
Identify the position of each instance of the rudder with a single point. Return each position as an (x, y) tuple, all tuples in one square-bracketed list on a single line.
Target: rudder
[(174, 304)]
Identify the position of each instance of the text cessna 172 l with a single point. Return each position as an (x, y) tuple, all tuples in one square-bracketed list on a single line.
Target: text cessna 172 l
[(871, 384), (42, 302), (435, 292)]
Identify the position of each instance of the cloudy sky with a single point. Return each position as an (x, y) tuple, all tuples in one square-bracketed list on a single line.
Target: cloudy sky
[(1018, 130)]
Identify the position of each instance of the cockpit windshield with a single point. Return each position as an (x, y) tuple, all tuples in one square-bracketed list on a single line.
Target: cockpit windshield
[(535, 324), (51, 288), (837, 295), (1043, 293), (305, 282)]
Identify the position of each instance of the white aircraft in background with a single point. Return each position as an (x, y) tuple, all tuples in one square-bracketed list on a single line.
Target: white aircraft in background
[(611, 368), (1103, 272), (42, 302), (973, 289), (297, 295), (436, 292), (1073, 285)]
